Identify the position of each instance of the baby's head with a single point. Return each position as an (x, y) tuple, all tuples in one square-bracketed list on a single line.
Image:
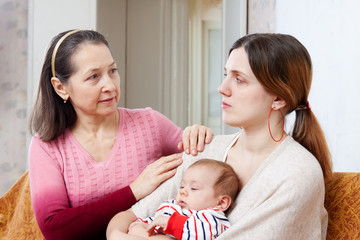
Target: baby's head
[(208, 184)]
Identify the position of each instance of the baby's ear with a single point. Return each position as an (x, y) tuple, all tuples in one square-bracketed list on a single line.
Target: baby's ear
[(224, 202)]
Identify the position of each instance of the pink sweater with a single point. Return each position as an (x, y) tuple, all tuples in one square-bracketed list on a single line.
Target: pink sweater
[(73, 196)]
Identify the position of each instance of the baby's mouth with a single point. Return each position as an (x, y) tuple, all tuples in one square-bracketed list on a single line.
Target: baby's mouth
[(182, 203)]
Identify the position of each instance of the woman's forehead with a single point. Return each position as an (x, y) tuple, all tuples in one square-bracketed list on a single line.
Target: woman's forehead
[(238, 61), (91, 56)]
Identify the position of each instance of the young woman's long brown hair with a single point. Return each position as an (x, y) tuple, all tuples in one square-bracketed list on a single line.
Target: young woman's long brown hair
[(283, 66), (50, 115)]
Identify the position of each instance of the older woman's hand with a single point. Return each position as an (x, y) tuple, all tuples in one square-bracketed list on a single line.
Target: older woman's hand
[(194, 139), (154, 174)]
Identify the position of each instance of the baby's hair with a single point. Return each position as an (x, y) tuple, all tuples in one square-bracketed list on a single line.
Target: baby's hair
[(227, 182)]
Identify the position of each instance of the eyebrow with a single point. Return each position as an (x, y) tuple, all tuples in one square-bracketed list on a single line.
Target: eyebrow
[(237, 72), (96, 68)]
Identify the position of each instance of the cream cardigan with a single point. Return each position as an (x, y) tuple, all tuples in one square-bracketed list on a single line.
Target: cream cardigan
[(284, 199)]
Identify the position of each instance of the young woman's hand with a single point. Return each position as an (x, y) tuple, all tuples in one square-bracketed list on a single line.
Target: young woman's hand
[(154, 174), (118, 235), (194, 139), (138, 229)]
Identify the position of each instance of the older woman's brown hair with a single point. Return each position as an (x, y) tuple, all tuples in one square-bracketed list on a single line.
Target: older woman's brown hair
[(50, 115)]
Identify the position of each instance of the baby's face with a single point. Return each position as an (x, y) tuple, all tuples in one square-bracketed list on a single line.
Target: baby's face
[(197, 188)]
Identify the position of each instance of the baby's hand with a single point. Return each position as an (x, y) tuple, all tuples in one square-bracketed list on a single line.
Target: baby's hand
[(160, 224)]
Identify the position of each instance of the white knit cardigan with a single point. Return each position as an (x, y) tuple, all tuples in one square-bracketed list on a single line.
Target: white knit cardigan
[(284, 199)]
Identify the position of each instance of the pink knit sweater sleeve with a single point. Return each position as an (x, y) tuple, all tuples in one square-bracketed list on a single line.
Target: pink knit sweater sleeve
[(170, 134), (56, 218)]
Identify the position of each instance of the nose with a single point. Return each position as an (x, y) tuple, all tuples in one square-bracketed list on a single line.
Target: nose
[(183, 192), (224, 88), (109, 84)]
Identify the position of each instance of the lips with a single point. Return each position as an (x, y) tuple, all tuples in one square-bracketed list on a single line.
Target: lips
[(225, 105), (107, 100), (182, 203)]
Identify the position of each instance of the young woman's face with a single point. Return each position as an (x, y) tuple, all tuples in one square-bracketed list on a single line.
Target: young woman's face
[(94, 88), (197, 189), (245, 103)]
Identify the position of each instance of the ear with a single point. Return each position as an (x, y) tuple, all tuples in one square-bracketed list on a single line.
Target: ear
[(224, 202), (278, 103), (59, 88)]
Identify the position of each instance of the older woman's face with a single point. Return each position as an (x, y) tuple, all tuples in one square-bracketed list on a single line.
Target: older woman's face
[(94, 88), (245, 103)]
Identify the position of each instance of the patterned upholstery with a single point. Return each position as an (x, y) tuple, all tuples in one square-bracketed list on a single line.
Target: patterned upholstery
[(342, 201), (17, 220)]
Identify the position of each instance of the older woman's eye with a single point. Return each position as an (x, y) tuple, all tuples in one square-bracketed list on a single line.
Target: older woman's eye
[(114, 70), (95, 76)]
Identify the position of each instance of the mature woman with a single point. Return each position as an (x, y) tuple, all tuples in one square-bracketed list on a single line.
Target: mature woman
[(281, 174), (88, 156)]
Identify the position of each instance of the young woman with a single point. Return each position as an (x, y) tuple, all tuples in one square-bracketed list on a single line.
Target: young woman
[(267, 76), (90, 159)]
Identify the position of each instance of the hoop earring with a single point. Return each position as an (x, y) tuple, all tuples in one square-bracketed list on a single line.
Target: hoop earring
[(283, 126)]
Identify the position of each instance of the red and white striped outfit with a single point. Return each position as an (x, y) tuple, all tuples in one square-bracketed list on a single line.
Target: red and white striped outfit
[(187, 224)]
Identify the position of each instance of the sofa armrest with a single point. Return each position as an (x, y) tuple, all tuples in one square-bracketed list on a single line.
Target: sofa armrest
[(17, 219)]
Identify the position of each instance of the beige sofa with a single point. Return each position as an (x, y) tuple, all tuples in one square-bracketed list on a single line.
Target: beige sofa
[(342, 201)]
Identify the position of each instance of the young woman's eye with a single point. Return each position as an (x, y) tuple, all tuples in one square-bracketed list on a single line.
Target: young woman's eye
[(239, 80), (225, 74), (194, 189)]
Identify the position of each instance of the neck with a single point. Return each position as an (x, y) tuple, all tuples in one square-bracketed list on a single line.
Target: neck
[(97, 127), (258, 142)]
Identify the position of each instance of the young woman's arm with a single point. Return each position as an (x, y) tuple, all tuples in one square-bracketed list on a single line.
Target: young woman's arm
[(119, 225), (118, 228)]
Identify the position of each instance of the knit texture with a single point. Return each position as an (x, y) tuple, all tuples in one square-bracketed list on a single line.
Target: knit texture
[(63, 175)]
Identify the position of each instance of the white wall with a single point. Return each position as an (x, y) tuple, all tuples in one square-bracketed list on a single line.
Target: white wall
[(47, 18), (233, 27), (330, 31)]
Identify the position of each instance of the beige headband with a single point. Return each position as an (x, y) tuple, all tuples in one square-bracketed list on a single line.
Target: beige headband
[(57, 47)]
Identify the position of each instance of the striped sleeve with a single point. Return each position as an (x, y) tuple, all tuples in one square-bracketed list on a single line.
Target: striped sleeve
[(205, 225)]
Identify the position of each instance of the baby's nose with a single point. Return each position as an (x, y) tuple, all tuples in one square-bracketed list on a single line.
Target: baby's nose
[(183, 192)]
